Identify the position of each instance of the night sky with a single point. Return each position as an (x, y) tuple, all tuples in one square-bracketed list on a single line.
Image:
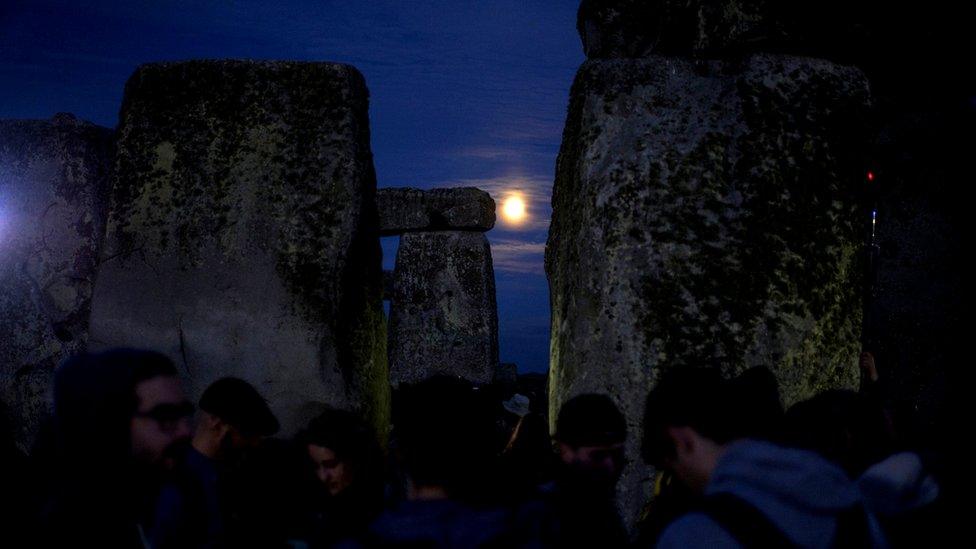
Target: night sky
[(463, 93)]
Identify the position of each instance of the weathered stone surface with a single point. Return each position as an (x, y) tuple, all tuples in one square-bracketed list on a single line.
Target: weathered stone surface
[(841, 31), (243, 239), (443, 317), (638, 28), (406, 209), (506, 374), (53, 183), (706, 214)]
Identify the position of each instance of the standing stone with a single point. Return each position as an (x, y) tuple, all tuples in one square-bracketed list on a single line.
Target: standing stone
[(637, 28), (443, 317), (53, 183), (832, 29), (242, 238), (405, 209), (706, 214)]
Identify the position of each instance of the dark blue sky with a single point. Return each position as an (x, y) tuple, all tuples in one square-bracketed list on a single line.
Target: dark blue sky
[(463, 92)]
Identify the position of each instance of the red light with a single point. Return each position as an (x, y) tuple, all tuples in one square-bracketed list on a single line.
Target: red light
[(870, 176)]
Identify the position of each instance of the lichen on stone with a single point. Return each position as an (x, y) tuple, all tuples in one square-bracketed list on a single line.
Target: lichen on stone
[(229, 166), (706, 213)]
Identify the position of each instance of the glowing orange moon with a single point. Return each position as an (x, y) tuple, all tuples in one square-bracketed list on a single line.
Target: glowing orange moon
[(513, 209)]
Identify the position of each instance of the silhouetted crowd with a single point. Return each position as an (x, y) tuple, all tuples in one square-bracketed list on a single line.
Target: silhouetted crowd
[(127, 461)]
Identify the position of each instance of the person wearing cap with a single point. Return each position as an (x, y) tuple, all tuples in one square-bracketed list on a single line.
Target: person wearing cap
[(590, 436), (518, 405), (509, 416), (233, 418)]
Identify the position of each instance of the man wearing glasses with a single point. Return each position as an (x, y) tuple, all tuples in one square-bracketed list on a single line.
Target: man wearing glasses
[(120, 423)]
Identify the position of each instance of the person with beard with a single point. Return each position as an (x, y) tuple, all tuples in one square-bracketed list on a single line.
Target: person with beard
[(233, 419), (120, 422), (348, 466), (590, 436)]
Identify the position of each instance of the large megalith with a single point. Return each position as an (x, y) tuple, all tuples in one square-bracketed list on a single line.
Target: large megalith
[(638, 28), (706, 213), (832, 29), (443, 316), (242, 238), (53, 183)]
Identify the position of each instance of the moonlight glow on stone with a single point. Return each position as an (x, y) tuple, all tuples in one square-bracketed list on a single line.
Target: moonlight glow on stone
[(513, 209)]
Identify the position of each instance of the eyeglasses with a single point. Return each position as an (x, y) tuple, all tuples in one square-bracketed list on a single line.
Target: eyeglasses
[(168, 415)]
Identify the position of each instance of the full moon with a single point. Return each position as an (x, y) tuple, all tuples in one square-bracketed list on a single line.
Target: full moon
[(514, 209)]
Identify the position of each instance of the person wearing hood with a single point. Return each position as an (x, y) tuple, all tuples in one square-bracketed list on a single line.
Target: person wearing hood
[(121, 422), (853, 431), (753, 493)]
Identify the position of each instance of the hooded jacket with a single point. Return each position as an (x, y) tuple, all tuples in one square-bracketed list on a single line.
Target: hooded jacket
[(797, 491)]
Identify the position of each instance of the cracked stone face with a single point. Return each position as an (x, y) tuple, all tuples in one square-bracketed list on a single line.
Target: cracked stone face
[(53, 182), (243, 237)]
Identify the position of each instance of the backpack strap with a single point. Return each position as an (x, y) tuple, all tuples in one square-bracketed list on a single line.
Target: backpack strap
[(749, 526)]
